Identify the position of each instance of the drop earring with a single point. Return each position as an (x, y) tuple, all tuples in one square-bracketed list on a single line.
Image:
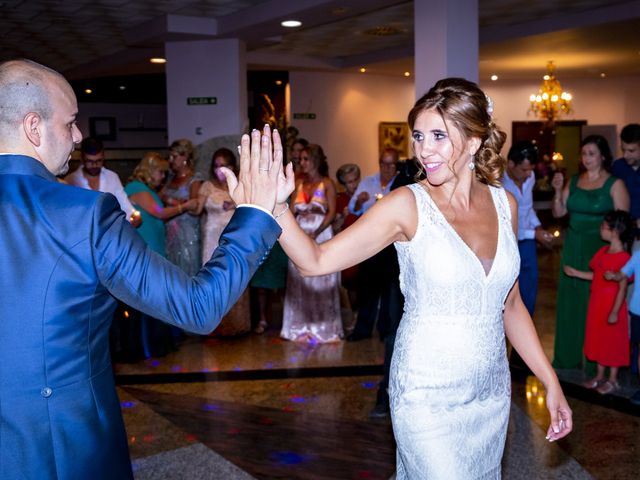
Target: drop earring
[(472, 165)]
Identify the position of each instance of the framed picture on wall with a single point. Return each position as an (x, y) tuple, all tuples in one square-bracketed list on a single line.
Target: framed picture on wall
[(394, 135), (103, 128)]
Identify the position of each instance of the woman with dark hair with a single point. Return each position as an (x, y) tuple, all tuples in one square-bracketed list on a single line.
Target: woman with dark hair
[(454, 232), (312, 305), (586, 197), (218, 206), (183, 231)]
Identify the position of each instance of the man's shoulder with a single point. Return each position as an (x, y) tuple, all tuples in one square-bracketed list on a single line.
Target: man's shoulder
[(619, 166), (73, 177)]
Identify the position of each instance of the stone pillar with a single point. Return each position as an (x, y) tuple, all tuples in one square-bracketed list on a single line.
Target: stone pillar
[(206, 89), (446, 41)]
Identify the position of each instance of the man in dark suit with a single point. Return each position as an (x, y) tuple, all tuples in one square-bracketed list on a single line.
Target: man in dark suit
[(66, 254)]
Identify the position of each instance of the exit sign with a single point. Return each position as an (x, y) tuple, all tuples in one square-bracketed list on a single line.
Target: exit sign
[(202, 100), (304, 116)]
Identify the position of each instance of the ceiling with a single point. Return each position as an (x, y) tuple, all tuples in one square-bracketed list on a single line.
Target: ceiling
[(91, 38)]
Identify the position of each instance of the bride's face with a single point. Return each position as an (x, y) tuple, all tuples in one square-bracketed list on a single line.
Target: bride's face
[(440, 148)]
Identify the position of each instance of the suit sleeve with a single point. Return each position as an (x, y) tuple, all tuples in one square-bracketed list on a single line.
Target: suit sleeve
[(148, 282)]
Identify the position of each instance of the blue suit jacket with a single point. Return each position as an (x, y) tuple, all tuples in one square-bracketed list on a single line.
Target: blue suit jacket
[(65, 253)]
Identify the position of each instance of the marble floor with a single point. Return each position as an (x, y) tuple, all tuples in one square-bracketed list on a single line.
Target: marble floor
[(260, 407)]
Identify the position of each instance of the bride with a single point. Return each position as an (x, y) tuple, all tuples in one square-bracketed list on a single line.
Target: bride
[(454, 232)]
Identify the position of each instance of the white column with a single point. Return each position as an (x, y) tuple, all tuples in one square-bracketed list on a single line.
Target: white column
[(206, 69), (446, 41)]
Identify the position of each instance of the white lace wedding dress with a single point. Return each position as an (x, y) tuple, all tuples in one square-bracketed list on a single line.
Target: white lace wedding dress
[(450, 385)]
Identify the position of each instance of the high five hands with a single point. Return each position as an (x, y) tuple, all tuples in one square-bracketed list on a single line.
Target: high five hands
[(262, 181)]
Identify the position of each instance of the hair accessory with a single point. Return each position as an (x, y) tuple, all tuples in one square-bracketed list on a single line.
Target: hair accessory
[(489, 105), (472, 165)]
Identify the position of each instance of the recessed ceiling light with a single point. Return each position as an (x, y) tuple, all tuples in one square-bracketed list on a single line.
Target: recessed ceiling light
[(122, 87), (88, 91), (362, 69), (407, 74), (602, 75), (291, 23), (494, 77), (158, 60), (278, 82)]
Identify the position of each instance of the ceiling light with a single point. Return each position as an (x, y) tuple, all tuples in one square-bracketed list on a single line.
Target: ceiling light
[(291, 23), (278, 82), (407, 74), (602, 75), (551, 100), (158, 60), (88, 91), (362, 69), (494, 78), (122, 87)]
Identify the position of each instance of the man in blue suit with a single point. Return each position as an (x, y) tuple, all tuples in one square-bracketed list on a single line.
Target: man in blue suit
[(66, 254)]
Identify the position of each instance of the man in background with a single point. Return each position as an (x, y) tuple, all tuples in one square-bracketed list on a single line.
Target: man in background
[(93, 175)]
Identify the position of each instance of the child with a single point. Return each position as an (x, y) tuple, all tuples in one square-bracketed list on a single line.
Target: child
[(631, 268), (606, 336)]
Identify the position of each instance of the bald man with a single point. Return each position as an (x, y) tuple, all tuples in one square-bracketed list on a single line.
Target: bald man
[(66, 254)]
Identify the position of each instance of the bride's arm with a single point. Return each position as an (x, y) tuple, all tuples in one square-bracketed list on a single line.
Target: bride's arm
[(393, 218), (522, 335)]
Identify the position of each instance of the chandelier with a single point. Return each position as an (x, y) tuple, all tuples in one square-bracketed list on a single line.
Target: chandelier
[(551, 100)]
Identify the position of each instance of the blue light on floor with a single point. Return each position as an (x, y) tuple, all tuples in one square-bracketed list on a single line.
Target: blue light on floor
[(297, 399), (208, 407), (286, 458), (128, 404), (369, 385)]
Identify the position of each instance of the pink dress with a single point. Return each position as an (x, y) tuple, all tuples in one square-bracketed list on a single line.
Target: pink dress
[(312, 304)]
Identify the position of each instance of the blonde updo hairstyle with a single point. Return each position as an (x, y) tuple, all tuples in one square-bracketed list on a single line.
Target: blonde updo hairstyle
[(184, 146), (151, 162), (463, 104)]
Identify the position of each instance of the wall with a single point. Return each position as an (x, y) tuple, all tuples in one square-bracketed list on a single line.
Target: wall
[(348, 109), (601, 101)]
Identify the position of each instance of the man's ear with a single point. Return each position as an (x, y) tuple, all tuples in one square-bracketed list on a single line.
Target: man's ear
[(32, 125)]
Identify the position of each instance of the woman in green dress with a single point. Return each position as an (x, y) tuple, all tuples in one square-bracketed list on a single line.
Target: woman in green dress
[(587, 197)]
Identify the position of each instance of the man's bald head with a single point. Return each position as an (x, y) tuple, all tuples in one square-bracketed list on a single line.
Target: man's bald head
[(24, 88)]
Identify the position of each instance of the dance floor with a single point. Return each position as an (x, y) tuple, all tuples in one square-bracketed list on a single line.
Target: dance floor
[(260, 407)]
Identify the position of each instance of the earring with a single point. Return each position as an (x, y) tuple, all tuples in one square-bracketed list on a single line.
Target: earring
[(472, 165)]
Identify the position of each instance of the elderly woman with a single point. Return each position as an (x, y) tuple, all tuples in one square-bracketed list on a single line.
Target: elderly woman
[(152, 336), (587, 198), (183, 231)]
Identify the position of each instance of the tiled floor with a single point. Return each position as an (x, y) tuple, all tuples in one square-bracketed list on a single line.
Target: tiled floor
[(260, 407)]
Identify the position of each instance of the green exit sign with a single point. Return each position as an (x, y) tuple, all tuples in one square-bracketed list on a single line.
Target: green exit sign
[(304, 116), (202, 100)]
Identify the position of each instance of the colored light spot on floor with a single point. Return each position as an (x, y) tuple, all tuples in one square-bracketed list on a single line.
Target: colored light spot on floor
[(237, 369), (286, 458), (190, 438), (132, 440), (148, 438), (154, 363), (369, 385), (205, 370), (287, 409), (128, 404), (268, 365), (297, 399), (208, 407), (364, 474), (265, 421), (293, 359), (176, 368)]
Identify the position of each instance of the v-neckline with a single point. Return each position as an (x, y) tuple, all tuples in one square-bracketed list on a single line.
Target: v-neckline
[(466, 246)]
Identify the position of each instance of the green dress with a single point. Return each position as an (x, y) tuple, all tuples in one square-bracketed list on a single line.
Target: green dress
[(587, 209)]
